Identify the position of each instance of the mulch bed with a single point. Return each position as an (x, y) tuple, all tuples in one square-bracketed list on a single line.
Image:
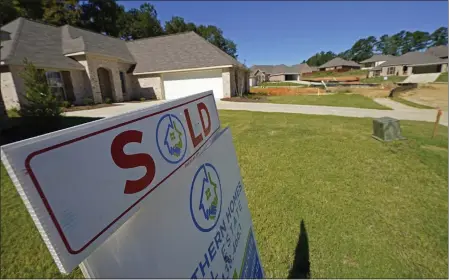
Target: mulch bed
[(88, 107)]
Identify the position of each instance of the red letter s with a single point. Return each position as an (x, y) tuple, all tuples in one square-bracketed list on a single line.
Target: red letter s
[(123, 160)]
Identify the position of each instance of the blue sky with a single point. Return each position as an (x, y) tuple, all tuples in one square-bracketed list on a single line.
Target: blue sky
[(279, 32)]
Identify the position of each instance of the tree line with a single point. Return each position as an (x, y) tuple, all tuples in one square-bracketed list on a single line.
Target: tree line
[(397, 44), (110, 18)]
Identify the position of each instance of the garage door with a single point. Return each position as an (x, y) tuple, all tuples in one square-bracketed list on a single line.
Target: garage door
[(181, 84)]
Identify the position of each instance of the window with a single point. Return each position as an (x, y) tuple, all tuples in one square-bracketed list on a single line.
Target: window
[(390, 71), (122, 80), (54, 80)]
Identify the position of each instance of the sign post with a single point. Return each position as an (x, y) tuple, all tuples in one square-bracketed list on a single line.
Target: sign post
[(113, 191)]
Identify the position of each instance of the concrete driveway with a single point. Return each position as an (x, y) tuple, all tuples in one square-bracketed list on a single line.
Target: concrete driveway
[(399, 111)]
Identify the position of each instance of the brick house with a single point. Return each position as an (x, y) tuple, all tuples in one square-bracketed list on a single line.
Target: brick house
[(82, 64)]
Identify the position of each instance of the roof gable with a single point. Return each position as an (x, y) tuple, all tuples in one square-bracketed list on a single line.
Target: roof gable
[(338, 61), (412, 58), (377, 57), (438, 51), (37, 42), (176, 52)]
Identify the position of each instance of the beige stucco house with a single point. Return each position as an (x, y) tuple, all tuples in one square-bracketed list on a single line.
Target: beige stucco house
[(339, 64), (277, 73), (410, 63), (374, 61), (81, 64)]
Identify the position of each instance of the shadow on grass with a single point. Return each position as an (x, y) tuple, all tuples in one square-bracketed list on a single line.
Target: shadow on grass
[(16, 129), (301, 263)]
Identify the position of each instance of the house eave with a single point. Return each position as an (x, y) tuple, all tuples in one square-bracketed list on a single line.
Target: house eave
[(183, 70)]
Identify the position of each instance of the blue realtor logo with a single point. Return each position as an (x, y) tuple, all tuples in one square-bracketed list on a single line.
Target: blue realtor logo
[(171, 138), (205, 197)]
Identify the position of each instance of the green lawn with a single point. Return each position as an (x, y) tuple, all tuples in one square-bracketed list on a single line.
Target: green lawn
[(282, 84), (371, 209), (380, 80), (336, 74), (338, 100), (410, 103), (442, 77)]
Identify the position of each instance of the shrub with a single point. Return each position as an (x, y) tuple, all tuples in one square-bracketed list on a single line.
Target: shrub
[(66, 104), (142, 99), (108, 101), (41, 102), (88, 101)]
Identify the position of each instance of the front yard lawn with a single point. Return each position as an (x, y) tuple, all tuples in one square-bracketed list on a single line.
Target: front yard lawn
[(442, 78), (371, 209), (380, 80), (338, 100), (277, 84), (410, 103)]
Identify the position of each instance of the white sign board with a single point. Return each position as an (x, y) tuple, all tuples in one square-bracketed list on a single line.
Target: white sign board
[(81, 184), (196, 225)]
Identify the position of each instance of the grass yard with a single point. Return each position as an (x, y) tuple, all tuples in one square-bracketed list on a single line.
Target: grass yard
[(410, 103), (442, 78), (371, 209), (338, 100), (336, 74), (282, 84), (380, 80)]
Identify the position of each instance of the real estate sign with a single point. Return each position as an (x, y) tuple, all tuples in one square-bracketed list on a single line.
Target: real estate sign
[(196, 225), (81, 184)]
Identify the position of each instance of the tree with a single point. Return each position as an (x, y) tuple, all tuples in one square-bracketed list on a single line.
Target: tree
[(406, 42), (7, 11), (63, 12), (102, 16), (439, 37), (178, 25), (214, 35), (361, 50), (28, 9), (41, 102), (140, 23), (320, 58), (421, 40)]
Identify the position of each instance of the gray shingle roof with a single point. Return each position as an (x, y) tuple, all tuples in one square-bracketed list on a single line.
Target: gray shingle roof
[(378, 57), (411, 58), (80, 40), (39, 43), (177, 52), (439, 51), (338, 61)]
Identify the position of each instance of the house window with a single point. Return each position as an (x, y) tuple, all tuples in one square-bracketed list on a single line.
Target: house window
[(390, 71), (122, 80), (54, 80)]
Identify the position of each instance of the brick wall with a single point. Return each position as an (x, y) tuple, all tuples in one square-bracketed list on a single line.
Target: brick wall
[(148, 86)]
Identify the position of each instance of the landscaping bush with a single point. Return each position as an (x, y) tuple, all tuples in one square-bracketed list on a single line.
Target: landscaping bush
[(142, 99), (66, 104), (88, 101), (108, 101), (41, 102)]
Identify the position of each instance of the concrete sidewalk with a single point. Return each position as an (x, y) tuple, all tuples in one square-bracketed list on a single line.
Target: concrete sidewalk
[(405, 114), (399, 111)]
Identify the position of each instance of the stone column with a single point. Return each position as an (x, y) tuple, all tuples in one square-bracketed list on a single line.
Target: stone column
[(115, 79)]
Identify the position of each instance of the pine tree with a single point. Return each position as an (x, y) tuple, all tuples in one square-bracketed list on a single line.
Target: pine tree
[(41, 102)]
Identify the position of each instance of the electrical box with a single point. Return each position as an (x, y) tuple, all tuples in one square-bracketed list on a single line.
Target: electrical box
[(386, 129)]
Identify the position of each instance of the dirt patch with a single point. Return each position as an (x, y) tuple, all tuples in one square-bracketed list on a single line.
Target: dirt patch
[(88, 107), (287, 91), (433, 95), (374, 92)]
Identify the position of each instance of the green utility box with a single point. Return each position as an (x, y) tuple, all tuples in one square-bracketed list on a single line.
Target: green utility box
[(386, 129)]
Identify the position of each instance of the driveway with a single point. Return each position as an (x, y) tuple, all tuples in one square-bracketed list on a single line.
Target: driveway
[(400, 111)]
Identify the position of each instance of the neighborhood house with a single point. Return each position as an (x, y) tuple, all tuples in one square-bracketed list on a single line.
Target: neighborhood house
[(339, 64), (431, 61), (277, 73), (374, 61), (81, 64)]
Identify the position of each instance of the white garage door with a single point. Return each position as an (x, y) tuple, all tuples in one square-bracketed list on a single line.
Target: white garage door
[(181, 84)]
